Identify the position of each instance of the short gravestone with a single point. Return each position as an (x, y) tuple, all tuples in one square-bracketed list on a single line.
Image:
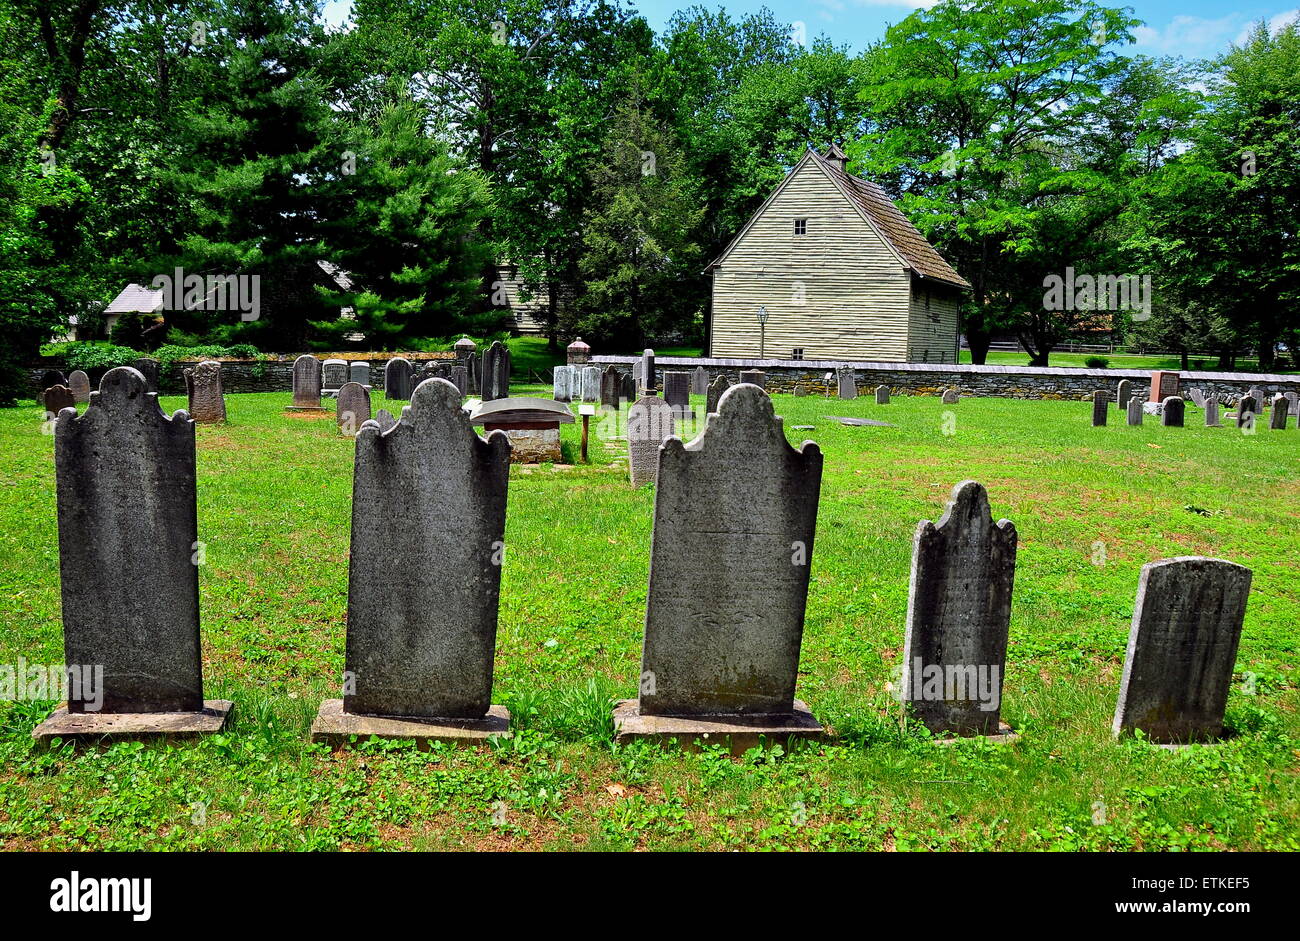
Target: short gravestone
[(951, 397), (353, 407), (306, 384), (1182, 647), (79, 385), (1100, 408), (420, 642), (207, 398), (590, 378), (398, 376), (128, 529), (52, 377), (649, 423), (1163, 384), (334, 372), (1136, 412), (384, 419), (562, 383), (847, 383), (496, 372), (735, 514), (1212, 414), (719, 385), (700, 381), (56, 399), (359, 372), (1198, 397), (677, 389), (959, 615), (611, 384), (1123, 393), (647, 378), (1247, 409), (882, 395), (1277, 421), (755, 377), (1171, 412), (800, 390)]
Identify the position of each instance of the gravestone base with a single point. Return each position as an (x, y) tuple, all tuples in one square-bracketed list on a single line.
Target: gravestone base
[(305, 408), (133, 725), (740, 732), (334, 726), (1005, 735), (533, 444)]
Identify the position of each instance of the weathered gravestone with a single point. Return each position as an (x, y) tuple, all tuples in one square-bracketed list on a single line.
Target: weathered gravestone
[(846, 381), (649, 423), (677, 389), (1277, 421), (735, 514), (465, 355), (1198, 397), (562, 383), (207, 398), (1100, 408), (1292, 398), (353, 407), (646, 378), (629, 388), (359, 372), (882, 395), (610, 386), (719, 385), (700, 381), (460, 379), (951, 397), (420, 642), (754, 377), (79, 385), (590, 377), (1123, 393), (334, 372), (52, 377), (800, 390), (1171, 412), (56, 399), (384, 419), (1181, 649), (398, 374), (496, 372), (1212, 414), (1247, 409), (306, 384), (1256, 393), (1163, 384), (128, 554), (959, 615), (147, 366), (1136, 412)]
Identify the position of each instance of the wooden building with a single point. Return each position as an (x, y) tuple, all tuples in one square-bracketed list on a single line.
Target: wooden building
[(841, 274)]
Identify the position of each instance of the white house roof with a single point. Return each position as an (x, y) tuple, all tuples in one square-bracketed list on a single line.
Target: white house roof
[(136, 299)]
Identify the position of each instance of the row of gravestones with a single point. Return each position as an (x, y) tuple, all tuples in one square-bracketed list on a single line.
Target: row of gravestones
[(1172, 409), (722, 641)]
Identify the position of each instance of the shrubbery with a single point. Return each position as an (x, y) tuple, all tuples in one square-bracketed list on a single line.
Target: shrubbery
[(1096, 362)]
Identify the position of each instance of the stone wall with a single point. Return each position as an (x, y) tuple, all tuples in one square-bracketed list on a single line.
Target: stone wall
[(1017, 382)]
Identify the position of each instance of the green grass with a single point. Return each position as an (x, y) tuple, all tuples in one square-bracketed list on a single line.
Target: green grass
[(1127, 361), (274, 508)]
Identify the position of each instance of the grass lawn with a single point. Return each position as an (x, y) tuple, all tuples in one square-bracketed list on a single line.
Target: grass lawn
[(1125, 361), (274, 512)]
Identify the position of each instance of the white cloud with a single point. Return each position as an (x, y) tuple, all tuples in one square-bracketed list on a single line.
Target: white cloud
[(1275, 23), (1190, 36)]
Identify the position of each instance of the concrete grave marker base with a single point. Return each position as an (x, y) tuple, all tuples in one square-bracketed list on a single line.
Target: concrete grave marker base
[(334, 726), (1005, 735), (132, 725), (305, 408), (740, 732)]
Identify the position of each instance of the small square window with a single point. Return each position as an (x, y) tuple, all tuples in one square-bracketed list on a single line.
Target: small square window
[(798, 353), (801, 227)]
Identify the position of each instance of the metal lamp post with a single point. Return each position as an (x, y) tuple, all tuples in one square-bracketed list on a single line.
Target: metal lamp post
[(762, 330)]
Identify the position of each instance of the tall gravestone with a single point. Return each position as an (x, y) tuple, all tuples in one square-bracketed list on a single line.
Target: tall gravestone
[(56, 399), (590, 378), (496, 372), (420, 641), (1292, 398), (359, 372), (460, 379), (353, 407), (647, 377), (754, 377), (1182, 647), (128, 538), (52, 377), (846, 381), (207, 397), (562, 383), (306, 384), (677, 389), (1277, 421), (1123, 393), (959, 615), (882, 395), (719, 385), (700, 381), (1100, 408), (398, 374), (649, 424), (1212, 414), (611, 384), (1135, 410), (465, 349), (735, 515), (79, 385), (1247, 409), (629, 388), (1172, 411), (147, 366)]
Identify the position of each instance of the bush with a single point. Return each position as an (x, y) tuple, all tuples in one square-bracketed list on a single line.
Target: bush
[(89, 356), (1096, 362), (169, 354)]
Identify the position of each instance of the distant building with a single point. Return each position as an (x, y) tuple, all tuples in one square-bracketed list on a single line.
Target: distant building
[(841, 274)]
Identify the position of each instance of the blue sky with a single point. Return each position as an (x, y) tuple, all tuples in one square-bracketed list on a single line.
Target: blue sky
[(1190, 28)]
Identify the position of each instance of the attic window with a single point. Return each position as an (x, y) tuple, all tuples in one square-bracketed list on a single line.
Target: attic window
[(801, 227)]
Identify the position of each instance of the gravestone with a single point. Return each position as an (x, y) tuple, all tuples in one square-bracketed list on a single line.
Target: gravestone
[(128, 538), (359, 372), (1277, 419), (1135, 410), (1163, 385), (1292, 398), (56, 399), (700, 381), (384, 419), (52, 377), (148, 367), (207, 398), (306, 384), (959, 615), (334, 372), (800, 390), (1212, 414), (420, 641), (1123, 393), (1258, 394), (677, 389), (460, 379), (1100, 408), (610, 385), (755, 377), (496, 372), (735, 515), (1171, 412), (1198, 397), (433, 370), (951, 397), (79, 385), (846, 381), (562, 383), (398, 373), (649, 423), (465, 355), (1182, 647), (719, 385), (638, 372), (647, 378), (629, 388), (590, 377), (1247, 409), (353, 407), (882, 395)]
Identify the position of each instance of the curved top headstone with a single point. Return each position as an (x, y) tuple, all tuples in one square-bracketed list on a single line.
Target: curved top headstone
[(306, 381)]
